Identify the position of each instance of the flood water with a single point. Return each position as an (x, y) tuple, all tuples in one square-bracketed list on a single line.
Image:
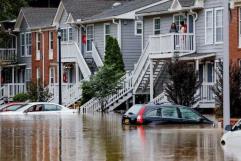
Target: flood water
[(96, 137)]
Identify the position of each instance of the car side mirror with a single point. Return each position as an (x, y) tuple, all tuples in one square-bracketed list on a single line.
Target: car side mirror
[(228, 128)]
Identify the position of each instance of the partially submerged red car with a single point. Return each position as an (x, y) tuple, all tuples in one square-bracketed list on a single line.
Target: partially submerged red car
[(13, 106)]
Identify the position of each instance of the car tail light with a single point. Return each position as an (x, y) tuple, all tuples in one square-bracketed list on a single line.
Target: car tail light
[(140, 116)]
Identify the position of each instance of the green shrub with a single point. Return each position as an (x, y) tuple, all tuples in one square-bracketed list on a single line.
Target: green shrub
[(21, 97)]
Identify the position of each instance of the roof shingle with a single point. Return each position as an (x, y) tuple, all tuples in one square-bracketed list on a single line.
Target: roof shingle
[(39, 17)]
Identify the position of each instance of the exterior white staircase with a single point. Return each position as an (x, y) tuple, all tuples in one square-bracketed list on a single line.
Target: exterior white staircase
[(114, 100), (71, 92)]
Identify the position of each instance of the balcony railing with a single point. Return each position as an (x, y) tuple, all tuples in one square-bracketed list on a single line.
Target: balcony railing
[(180, 43), (11, 89), (206, 92), (8, 55)]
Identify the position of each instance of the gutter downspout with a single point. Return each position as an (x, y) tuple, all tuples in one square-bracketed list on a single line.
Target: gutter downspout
[(118, 30)]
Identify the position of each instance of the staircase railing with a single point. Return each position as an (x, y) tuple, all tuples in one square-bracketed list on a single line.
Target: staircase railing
[(96, 56), (82, 63), (124, 87), (139, 67), (160, 98)]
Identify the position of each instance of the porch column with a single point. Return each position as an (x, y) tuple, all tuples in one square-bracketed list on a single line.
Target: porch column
[(77, 72), (151, 80), (13, 81), (197, 65)]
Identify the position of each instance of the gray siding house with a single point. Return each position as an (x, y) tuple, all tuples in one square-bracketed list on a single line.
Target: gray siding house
[(201, 45)]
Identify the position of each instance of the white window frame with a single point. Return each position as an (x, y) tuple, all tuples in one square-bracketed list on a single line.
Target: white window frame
[(154, 29), (138, 34), (215, 27), (38, 76), (87, 38), (28, 74), (38, 42), (105, 34), (22, 44), (67, 29), (206, 42), (51, 40), (178, 25), (28, 45), (239, 31), (51, 69)]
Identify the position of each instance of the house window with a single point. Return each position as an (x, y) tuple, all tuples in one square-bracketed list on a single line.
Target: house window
[(38, 73), (177, 20), (210, 73), (157, 26), (38, 37), (64, 35), (138, 27), (51, 75), (209, 26), (28, 74), (90, 37), (51, 40), (106, 32), (218, 25), (22, 39), (70, 34), (28, 44), (240, 27)]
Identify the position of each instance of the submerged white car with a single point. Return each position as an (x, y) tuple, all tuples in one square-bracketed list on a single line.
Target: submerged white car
[(233, 136), (40, 108)]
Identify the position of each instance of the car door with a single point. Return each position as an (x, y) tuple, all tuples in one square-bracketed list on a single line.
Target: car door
[(35, 109), (188, 116), (235, 135), (170, 115), (153, 116), (52, 109)]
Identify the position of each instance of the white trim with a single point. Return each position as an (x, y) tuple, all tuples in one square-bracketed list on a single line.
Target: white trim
[(89, 25), (104, 26), (141, 22), (70, 19), (239, 26), (156, 18), (51, 50), (215, 27), (58, 14), (179, 7), (205, 21)]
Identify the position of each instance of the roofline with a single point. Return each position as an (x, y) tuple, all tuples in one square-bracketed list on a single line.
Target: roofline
[(120, 15), (19, 21), (61, 4), (44, 28), (169, 11)]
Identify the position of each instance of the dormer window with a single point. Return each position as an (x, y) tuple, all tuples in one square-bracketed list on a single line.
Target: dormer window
[(67, 34)]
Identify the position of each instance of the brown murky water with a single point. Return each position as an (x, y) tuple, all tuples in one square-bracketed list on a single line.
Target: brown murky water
[(102, 138)]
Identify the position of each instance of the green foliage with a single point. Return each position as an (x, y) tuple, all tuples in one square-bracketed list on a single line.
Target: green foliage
[(235, 89), (113, 56), (105, 83), (183, 84), (21, 97), (9, 9), (87, 93), (37, 92)]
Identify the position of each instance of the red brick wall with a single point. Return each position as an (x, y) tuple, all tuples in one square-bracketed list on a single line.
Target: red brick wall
[(47, 62), (235, 51)]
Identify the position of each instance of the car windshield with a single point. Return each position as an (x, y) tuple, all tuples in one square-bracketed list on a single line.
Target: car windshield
[(134, 109), (14, 107)]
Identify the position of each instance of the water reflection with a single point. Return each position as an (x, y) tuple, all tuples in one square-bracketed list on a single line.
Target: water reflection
[(97, 137)]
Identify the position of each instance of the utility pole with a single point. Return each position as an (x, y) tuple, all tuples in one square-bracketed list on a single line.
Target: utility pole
[(226, 92)]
